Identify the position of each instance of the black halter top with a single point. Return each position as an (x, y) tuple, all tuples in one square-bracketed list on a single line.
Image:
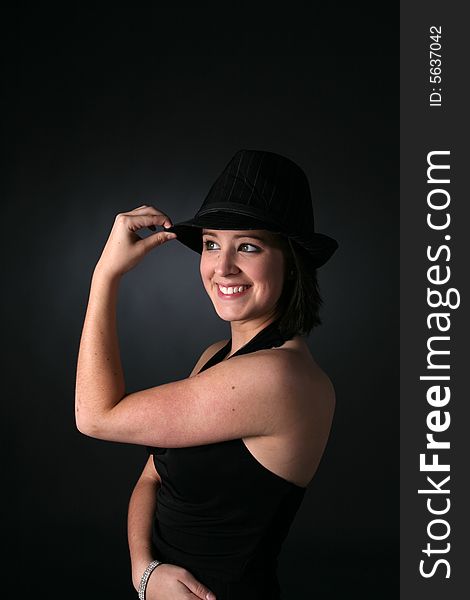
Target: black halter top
[(219, 511)]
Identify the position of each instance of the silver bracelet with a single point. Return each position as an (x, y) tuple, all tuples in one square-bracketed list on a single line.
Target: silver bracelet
[(145, 577)]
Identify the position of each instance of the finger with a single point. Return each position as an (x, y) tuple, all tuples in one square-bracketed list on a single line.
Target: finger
[(190, 596), (152, 210), (197, 588), (185, 594), (157, 239), (135, 222)]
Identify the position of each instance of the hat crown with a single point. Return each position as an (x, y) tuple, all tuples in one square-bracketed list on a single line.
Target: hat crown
[(260, 190), (265, 185)]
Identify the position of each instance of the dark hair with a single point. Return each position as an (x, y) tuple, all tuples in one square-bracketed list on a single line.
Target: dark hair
[(300, 301)]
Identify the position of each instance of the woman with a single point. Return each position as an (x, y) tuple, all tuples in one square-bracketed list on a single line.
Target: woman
[(233, 446)]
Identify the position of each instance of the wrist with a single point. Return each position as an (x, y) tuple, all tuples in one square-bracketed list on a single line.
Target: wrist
[(145, 577), (102, 272), (138, 568)]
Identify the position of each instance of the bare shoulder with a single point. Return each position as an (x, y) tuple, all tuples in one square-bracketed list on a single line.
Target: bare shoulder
[(303, 415), (305, 389), (207, 355), (297, 367), (299, 378)]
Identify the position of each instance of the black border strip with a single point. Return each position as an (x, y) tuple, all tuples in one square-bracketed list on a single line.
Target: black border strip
[(434, 132)]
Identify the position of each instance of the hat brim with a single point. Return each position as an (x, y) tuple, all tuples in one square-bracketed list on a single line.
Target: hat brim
[(320, 246)]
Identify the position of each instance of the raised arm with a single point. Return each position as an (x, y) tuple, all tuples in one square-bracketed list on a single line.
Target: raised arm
[(99, 378), (248, 395)]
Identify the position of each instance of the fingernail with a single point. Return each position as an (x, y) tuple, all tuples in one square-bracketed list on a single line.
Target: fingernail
[(210, 596), (170, 236)]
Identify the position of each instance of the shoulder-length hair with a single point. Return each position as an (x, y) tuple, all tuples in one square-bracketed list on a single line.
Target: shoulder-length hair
[(300, 301)]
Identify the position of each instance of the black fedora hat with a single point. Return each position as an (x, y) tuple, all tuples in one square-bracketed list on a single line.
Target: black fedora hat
[(260, 190)]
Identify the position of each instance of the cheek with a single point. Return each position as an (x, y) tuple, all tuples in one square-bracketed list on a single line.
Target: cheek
[(204, 265), (273, 273), (201, 269), (204, 271)]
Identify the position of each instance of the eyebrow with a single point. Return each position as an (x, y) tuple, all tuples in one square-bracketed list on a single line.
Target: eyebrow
[(237, 236)]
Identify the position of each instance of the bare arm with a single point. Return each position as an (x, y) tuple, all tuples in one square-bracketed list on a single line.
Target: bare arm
[(141, 511), (100, 381), (143, 500), (170, 581), (249, 395), (245, 396), (100, 386)]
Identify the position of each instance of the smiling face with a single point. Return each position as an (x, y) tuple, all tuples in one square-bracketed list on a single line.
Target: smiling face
[(242, 272)]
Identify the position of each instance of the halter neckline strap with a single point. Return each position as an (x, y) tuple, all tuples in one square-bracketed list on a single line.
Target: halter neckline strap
[(269, 337)]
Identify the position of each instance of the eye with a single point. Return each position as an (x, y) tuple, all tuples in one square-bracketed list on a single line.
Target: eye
[(246, 247), (256, 249), (207, 244)]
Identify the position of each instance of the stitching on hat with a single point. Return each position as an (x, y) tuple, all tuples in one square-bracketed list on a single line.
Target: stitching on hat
[(247, 183), (238, 169), (274, 184), (240, 210), (256, 179), (262, 191)]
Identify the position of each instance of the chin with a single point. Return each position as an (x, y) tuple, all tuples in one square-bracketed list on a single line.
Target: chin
[(232, 315), (239, 315)]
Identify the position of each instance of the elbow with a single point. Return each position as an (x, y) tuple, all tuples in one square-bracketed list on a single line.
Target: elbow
[(93, 421), (82, 428), (85, 421), (87, 425), (80, 422)]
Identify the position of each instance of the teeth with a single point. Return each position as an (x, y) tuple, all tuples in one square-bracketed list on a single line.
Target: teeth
[(233, 290)]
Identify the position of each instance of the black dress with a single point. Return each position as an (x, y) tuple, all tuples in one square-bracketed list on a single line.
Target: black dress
[(220, 513)]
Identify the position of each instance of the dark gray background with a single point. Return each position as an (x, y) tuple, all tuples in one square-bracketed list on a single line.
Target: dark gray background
[(105, 111)]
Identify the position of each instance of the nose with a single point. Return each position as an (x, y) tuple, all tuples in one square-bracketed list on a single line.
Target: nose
[(226, 262)]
